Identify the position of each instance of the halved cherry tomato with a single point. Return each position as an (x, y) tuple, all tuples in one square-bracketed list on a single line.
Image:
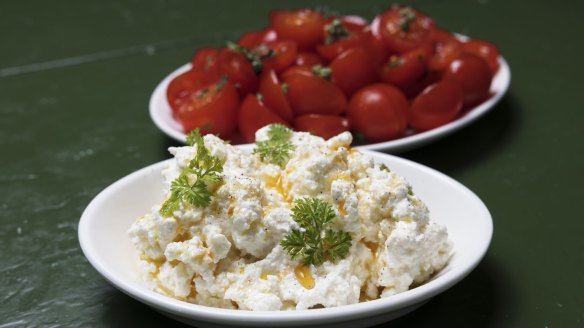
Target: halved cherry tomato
[(206, 60), (284, 54), (446, 49), (308, 58), (332, 50), (251, 40), (274, 95), (341, 34), (379, 112), (437, 105), (183, 85), (405, 28), (353, 69), (303, 26), (375, 41), (325, 126), (254, 115), (405, 69), (239, 71), (211, 109), (485, 50), (473, 74), (311, 94)]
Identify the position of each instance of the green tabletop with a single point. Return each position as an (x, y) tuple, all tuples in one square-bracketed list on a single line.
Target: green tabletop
[(75, 80)]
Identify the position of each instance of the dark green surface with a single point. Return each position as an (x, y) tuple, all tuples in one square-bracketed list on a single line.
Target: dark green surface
[(75, 79)]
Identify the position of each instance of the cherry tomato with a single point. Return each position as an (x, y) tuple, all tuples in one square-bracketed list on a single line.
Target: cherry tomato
[(353, 69), (446, 49), (311, 94), (404, 28), (379, 112), (212, 109), (251, 40), (405, 69), (239, 71), (437, 105), (376, 43), (332, 50), (254, 115), (183, 85), (274, 95), (473, 74), (341, 34), (414, 89), (206, 61), (309, 59), (284, 55), (485, 50), (303, 26), (324, 126)]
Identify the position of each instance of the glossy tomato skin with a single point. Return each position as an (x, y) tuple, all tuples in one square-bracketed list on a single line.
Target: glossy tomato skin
[(446, 49), (353, 69), (311, 94), (378, 112), (183, 85), (212, 109), (324, 126), (253, 115), (308, 58), (428, 78), (404, 28), (485, 50), (239, 71), (356, 37), (376, 43), (274, 96), (304, 26), (474, 75), (285, 53), (206, 60), (251, 40), (405, 69), (438, 104)]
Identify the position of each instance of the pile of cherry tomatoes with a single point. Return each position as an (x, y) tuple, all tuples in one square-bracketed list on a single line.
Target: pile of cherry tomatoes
[(326, 75)]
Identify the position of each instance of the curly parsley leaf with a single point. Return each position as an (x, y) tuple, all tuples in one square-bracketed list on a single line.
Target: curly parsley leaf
[(191, 186), (313, 243), (277, 148)]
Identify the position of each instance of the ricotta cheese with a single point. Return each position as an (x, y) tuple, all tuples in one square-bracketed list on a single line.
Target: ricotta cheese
[(229, 255)]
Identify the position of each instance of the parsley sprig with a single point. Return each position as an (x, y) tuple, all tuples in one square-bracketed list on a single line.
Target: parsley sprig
[(191, 186), (316, 243), (277, 148)]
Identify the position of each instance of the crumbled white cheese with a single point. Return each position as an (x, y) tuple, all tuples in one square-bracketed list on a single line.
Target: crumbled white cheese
[(228, 255)]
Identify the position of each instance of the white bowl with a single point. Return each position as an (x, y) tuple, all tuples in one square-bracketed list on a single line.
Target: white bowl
[(104, 240), (161, 114)]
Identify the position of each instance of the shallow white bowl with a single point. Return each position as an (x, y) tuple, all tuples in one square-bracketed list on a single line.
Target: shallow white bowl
[(104, 240), (161, 114)]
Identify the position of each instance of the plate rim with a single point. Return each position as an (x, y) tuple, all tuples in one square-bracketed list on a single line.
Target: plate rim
[(327, 315)]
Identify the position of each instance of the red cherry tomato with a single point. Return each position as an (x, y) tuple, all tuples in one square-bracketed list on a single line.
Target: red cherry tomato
[(212, 109), (183, 85), (239, 71), (378, 112), (332, 50), (376, 43), (251, 40), (414, 89), (206, 61), (405, 69), (254, 115), (404, 28), (485, 50), (437, 105), (307, 58), (341, 34), (353, 69), (304, 26), (284, 55), (446, 49), (311, 94), (274, 96), (324, 126), (473, 74)]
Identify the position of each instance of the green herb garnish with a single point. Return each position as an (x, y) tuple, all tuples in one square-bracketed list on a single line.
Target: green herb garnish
[(322, 71), (336, 31), (384, 167), (276, 149), (315, 244), (191, 186), (254, 56), (408, 16)]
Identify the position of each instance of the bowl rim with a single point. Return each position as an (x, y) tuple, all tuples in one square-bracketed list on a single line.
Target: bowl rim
[(346, 312)]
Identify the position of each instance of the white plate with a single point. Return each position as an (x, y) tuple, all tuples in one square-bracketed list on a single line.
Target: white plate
[(161, 114), (104, 240)]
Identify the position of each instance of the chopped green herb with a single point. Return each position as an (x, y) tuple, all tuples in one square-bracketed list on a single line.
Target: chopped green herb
[(410, 191), (284, 87), (408, 16), (322, 71), (384, 167), (191, 186), (336, 31), (276, 149), (315, 244), (395, 61)]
